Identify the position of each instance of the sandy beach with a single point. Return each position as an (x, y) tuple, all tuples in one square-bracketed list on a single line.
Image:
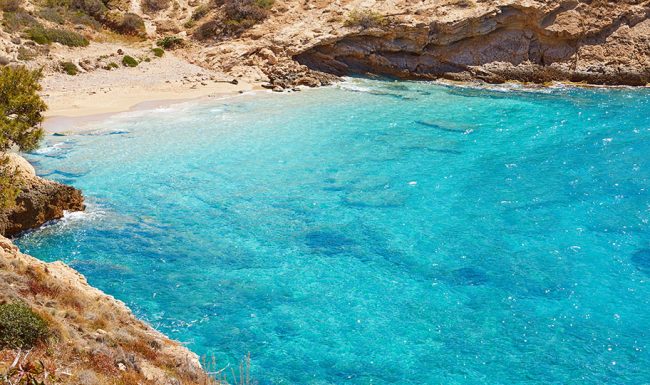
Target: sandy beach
[(162, 80)]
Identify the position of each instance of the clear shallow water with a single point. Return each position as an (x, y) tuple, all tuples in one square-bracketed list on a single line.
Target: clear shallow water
[(378, 232)]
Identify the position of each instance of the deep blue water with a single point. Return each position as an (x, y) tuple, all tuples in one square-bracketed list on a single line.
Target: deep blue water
[(376, 232)]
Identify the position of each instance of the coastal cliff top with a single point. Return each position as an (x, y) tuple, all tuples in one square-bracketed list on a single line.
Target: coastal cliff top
[(93, 338)]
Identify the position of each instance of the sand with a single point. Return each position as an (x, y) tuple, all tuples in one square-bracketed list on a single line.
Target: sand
[(100, 92)]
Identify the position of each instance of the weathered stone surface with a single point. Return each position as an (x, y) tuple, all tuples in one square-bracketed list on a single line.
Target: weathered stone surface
[(593, 42), (40, 200), (599, 42)]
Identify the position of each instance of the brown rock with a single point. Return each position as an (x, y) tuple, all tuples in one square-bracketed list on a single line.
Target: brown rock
[(39, 201)]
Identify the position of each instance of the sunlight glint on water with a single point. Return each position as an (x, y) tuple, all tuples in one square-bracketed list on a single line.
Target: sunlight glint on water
[(376, 232)]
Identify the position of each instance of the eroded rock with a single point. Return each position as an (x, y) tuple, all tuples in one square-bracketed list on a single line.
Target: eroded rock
[(39, 201)]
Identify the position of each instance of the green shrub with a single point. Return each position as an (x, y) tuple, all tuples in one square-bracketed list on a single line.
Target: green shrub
[(366, 19), (95, 8), (111, 66), (158, 52), (17, 21), (21, 109), (155, 5), (70, 68), (10, 5), (200, 12), (53, 14), (8, 187), (170, 42), (20, 327), (206, 30), (129, 61), (254, 10), (26, 54), (127, 24), (42, 35)]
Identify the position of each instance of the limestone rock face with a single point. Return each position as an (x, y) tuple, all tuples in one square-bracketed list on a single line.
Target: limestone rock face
[(594, 42), (598, 42), (39, 201)]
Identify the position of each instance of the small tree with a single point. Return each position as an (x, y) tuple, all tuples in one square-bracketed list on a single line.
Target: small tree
[(21, 109)]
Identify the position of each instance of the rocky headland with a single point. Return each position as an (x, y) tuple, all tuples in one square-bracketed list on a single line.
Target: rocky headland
[(39, 200)]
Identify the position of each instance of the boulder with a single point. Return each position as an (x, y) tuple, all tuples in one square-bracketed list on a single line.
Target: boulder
[(38, 202)]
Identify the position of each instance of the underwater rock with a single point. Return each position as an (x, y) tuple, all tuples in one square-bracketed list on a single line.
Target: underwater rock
[(469, 276), (641, 259), (328, 242)]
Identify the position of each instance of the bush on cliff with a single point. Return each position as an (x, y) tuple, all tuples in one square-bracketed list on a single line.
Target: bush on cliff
[(20, 327), (129, 61), (153, 6), (10, 5), (243, 14), (21, 109), (365, 19), (42, 35)]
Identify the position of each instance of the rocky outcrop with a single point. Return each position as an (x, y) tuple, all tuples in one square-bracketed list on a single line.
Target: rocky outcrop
[(592, 41), (581, 41), (95, 338), (39, 200)]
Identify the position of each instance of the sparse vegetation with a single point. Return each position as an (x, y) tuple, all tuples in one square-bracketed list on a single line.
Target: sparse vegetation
[(8, 189), (152, 6), (94, 8), (127, 24), (158, 52), (69, 68), (170, 42), (18, 20), (26, 54), (10, 5), (247, 11), (206, 30), (42, 35), (20, 327), (366, 19), (200, 12), (129, 61), (111, 66)]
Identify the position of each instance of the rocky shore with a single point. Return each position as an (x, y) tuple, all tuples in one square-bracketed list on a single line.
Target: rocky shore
[(39, 200), (93, 338)]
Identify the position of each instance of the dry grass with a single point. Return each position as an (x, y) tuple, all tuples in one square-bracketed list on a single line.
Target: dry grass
[(94, 338)]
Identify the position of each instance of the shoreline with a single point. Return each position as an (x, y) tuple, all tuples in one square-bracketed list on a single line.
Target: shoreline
[(71, 113), (61, 122)]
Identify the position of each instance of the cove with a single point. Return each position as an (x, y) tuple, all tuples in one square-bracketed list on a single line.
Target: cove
[(376, 232)]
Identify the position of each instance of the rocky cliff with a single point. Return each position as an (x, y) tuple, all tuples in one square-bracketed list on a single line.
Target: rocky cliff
[(93, 339), (592, 41), (39, 200), (294, 42)]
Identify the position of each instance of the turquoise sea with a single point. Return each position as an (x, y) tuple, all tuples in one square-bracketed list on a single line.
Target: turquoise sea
[(376, 232)]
